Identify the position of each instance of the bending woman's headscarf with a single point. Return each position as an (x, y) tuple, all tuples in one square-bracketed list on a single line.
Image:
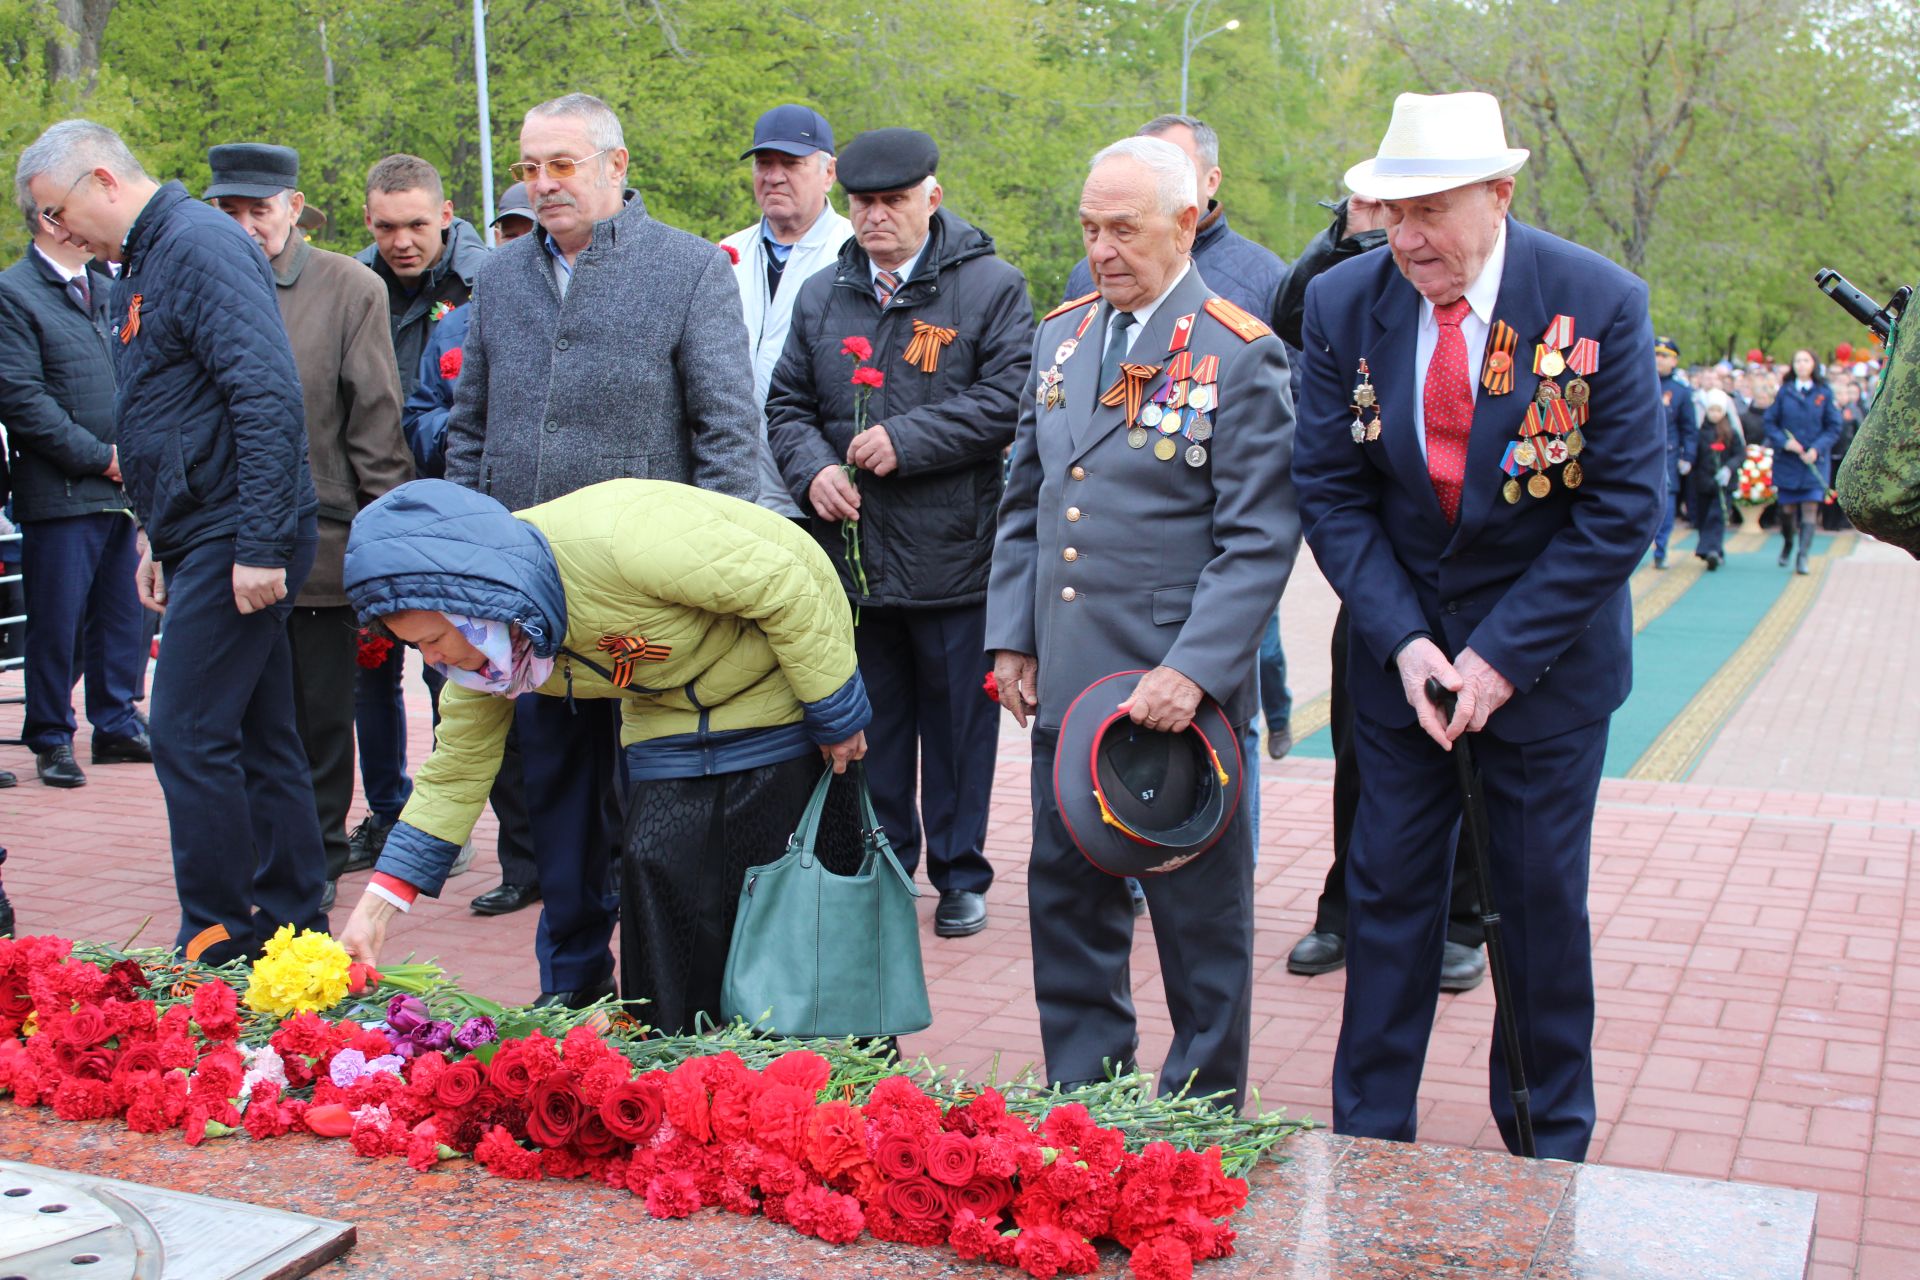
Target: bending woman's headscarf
[(436, 546)]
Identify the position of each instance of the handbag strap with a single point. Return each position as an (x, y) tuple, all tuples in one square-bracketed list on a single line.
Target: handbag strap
[(872, 837)]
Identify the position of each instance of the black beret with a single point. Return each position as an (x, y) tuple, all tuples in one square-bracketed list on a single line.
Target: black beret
[(887, 160), (252, 169)]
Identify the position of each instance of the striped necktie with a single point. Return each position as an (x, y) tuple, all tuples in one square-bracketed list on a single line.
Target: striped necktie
[(885, 284)]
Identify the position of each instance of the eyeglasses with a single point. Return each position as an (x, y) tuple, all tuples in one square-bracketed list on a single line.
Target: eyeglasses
[(558, 167), (53, 215)]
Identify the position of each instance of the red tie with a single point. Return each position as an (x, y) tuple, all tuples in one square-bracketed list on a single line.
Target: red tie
[(1449, 408)]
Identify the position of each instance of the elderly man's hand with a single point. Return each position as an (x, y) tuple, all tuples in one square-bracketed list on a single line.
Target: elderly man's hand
[(255, 588), (872, 450), (150, 580), (1487, 688), (833, 496), (1018, 677), (1418, 660), (842, 754), (1164, 700)]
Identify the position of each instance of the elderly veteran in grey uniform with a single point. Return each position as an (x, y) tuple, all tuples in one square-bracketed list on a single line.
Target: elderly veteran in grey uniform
[(1149, 523)]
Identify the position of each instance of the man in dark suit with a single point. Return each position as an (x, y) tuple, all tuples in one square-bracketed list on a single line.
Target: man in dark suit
[(78, 541), (1149, 524), (1479, 469)]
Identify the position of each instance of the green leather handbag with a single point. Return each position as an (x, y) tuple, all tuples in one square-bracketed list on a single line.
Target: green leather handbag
[(819, 954)]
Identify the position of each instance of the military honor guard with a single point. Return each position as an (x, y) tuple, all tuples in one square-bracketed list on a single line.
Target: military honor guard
[(1480, 463), (1146, 534)]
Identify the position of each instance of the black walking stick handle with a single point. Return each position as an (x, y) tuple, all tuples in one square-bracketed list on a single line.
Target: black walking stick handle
[(1442, 697)]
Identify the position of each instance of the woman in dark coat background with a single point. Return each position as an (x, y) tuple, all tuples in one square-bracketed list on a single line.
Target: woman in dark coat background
[(1802, 426)]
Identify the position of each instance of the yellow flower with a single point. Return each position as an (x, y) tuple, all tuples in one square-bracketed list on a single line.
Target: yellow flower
[(298, 974), (32, 1025)]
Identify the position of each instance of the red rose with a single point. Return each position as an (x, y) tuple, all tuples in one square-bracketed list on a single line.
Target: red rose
[(457, 1085), (857, 347), (86, 1027), (918, 1200), (511, 1071), (985, 1196), (633, 1111), (950, 1159), (124, 978), (593, 1139), (553, 1111), (868, 377), (900, 1157), (450, 363)]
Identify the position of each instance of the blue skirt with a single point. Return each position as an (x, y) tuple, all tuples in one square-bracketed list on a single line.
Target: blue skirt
[(1790, 496)]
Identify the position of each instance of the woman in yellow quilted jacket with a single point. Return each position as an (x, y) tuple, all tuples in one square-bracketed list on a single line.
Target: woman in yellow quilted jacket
[(721, 627)]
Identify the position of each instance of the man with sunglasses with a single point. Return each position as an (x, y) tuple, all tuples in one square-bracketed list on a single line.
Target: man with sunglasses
[(603, 345), (213, 448)]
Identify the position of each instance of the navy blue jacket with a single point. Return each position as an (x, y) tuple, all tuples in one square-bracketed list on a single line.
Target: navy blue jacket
[(1683, 424), (1538, 588), (431, 400), (1813, 417), (212, 427), (1244, 273)]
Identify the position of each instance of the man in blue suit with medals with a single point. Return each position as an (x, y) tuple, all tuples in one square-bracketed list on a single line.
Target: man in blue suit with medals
[(1479, 461)]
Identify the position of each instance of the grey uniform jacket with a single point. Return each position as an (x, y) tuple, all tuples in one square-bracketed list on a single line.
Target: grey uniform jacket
[(1109, 559), (641, 371)]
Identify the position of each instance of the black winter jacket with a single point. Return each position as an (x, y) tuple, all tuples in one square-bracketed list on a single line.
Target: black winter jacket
[(212, 427), (1324, 252), (449, 280), (56, 393), (926, 530)]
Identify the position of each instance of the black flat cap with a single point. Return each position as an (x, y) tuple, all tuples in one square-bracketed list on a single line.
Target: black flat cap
[(252, 169), (888, 160)]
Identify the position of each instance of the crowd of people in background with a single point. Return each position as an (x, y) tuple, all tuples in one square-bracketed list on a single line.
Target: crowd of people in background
[(871, 383)]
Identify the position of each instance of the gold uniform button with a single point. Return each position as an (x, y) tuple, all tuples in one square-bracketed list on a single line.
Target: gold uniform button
[(1073, 513), (1078, 473), (1066, 593), (1070, 555)]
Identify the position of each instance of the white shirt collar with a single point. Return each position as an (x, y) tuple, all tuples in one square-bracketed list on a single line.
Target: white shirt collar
[(64, 273), (1485, 289), (1143, 316), (903, 272)]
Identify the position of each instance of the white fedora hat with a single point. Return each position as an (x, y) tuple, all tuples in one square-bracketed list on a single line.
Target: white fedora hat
[(1436, 142)]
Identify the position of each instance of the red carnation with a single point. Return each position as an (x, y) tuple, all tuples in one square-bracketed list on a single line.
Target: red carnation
[(836, 1139), (673, 1195), (124, 978), (950, 1159), (978, 1239), (866, 376), (372, 651), (802, 1068), (633, 1110), (457, 1085), (1162, 1258), (216, 1009), (733, 254), (834, 1218), (991, 687), (450, 363), (501, 1156), (857, 347), (1044, 1251), (553, 1111), (686, 1101)]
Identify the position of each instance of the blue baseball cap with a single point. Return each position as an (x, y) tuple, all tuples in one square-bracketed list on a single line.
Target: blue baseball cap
[(793, 129)]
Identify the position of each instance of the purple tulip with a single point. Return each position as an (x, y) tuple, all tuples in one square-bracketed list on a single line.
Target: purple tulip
[(433, 1037), (475, 1032), (406, 1014)]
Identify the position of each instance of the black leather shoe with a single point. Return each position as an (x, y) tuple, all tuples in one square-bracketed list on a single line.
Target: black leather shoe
[(6, 916), (574, 999), (328, 897), (58, 768), (1279, 742), (115, 748), (960, 913), (7, 779), (1714, 561), (505, 899), (365, 842), (1462, 968), (1318, 952)]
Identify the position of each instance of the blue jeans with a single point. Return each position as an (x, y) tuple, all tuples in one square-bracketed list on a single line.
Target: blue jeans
[(380, 721), (1276, 700)]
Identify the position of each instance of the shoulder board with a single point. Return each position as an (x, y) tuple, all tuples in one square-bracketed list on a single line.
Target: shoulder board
[(1244, 324), (1072, 304)]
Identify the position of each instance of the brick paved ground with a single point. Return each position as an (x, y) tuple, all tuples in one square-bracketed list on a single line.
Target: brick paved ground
[(1757, 930)]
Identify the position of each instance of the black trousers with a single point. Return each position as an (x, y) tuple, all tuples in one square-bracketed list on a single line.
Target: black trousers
[(246, 844), (1082, 925), (83, 613), (508, 798), (324, 643), (1330, 916), (934, 726), (570, 759), (689, 842)]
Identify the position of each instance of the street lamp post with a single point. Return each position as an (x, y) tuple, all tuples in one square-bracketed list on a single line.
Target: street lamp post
[(1188, 43)]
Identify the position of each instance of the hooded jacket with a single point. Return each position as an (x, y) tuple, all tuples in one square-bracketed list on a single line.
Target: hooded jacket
[(926, 529), (746, 649), (449, 280)]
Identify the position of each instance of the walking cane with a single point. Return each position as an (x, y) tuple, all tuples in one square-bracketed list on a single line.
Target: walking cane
[(1473, 820)]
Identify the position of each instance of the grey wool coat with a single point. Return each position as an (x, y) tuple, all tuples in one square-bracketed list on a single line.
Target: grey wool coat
[(641, 371)]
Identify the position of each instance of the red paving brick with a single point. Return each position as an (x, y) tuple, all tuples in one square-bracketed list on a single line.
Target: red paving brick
[(1757, 953)]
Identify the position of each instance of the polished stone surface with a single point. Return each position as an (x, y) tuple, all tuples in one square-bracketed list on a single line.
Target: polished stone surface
[(1336, 1209)]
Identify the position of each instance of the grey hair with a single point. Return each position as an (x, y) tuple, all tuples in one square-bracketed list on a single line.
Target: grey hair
[(603, 127), (63, 153), (1205, 140), (1172, 172)]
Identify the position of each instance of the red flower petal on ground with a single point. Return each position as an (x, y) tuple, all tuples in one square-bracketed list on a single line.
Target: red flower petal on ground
[(330, 1121)]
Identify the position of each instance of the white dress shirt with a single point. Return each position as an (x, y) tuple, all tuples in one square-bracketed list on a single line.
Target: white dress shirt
[(1480, 296)]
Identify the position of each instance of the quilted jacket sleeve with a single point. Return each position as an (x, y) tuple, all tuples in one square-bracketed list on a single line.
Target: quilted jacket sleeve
[(451, 788)]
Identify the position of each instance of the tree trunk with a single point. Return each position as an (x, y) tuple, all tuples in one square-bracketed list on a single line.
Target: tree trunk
[(73, 54)]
